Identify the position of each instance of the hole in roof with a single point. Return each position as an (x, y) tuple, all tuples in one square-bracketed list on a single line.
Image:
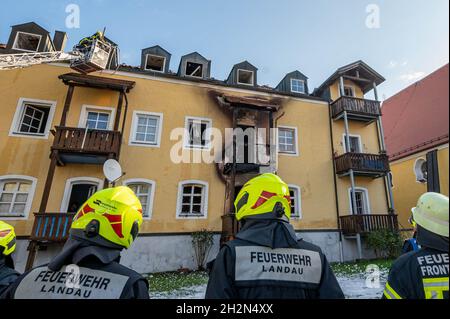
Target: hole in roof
[(155, 63), (245, 77), (194, 69)]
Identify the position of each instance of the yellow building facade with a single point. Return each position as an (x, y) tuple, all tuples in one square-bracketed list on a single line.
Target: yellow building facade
[(55, 125)]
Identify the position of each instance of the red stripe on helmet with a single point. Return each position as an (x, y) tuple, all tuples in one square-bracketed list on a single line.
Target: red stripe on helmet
[(117, 229), (113, 218), (263, 198), (288, 198)]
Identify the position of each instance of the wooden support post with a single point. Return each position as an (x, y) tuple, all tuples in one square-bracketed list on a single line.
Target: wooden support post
[(66, 105), (119, 112), (32, 249), (341, 86), (48, 182)]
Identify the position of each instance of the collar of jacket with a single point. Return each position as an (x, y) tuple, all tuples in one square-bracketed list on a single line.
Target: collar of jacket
[(273, 233), (75, 250), (428, 239), (6, 261)]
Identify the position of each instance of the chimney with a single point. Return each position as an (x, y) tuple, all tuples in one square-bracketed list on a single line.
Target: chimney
[(59, 40)]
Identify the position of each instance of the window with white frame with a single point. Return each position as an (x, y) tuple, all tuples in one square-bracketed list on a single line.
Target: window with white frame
[(192, 199), (33, 118), (146, 128), (96, 117), (295, 194), (355, 144), (245, 77), (155, 63), (287, 140), (97, 120), (297, 86), (16, 195), (420, 170), (361, 201), (25, 41), (144, 191), (198, 132)]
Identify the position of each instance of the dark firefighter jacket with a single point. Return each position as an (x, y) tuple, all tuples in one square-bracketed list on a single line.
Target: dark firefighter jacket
[(267, 261), (81, 271), (7, 273), (421, 274)]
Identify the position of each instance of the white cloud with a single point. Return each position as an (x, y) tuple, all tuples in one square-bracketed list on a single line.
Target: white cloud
[(412, 76), (393, 63)]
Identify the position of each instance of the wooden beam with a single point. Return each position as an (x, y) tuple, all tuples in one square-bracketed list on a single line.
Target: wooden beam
[(355, 78), (48, 181), (66, 105), (119, 112)]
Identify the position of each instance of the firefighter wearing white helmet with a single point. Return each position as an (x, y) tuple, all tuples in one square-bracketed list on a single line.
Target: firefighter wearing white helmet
[(267, 260), (423, 274), (7, 246)]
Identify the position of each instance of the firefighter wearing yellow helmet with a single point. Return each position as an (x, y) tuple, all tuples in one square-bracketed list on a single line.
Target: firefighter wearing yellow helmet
[(7, 246), (266, 259), (88, 266), (423, 274)]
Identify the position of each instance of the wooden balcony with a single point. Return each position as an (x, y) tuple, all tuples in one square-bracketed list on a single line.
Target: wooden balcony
[(85, 146), (357, 109), (373, 165), (51, 227), (365, 223)]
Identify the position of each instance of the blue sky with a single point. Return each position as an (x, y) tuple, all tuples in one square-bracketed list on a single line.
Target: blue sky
[(315, 37)]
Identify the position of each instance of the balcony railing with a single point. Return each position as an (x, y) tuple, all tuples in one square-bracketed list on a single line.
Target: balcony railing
[(86, 141), (365, 223), (51, 227), (357, 108), (362, 164)]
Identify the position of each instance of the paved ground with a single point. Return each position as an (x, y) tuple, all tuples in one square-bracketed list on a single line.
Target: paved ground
[(354, 287)]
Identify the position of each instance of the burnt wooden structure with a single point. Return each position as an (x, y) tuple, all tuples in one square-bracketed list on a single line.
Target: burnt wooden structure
[(365, 223), (77, 145), (246, 112)]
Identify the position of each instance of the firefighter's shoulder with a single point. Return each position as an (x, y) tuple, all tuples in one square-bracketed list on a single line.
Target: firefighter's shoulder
[(302, 244)]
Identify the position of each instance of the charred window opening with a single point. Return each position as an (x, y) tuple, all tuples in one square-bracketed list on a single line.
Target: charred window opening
[(245, 77), (34, 119), (27, 41), (194, 69), (155, 63)]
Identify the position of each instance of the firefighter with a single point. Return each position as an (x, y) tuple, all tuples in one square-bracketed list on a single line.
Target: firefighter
[(7, 246), (88, 266), (423, 274), (267, 260), (86, 42)]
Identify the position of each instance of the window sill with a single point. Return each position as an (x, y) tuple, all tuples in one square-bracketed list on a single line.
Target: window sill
[(191, 216), (143, 144), (38, 136), (288, 153)]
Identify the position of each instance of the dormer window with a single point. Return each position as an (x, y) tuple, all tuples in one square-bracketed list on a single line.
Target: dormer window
[(297, 86), (245, 77), (25, 41), (194, 69), (155, 63)]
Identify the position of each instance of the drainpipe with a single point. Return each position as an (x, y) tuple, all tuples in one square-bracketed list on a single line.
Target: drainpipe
[(341, 246), (387, 179)]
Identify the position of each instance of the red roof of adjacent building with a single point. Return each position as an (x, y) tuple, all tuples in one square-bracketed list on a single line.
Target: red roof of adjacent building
[(416, 118)]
